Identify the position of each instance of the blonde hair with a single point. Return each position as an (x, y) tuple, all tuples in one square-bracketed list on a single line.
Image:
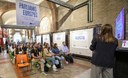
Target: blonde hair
[(107, 33)]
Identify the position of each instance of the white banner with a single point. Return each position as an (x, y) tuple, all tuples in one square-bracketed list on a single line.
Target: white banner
[(59, 38), (38, 39), (27, 13), (80, 41), (81, 38), (46, 38)]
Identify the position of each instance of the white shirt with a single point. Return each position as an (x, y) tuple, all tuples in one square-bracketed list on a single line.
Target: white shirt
[(65, 49)]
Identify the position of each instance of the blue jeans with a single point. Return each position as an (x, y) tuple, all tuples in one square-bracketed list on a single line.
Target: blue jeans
[(51, 59)]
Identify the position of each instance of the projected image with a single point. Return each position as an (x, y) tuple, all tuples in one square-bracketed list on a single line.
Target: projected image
[(80, 41), (80, 38), (119, 32)]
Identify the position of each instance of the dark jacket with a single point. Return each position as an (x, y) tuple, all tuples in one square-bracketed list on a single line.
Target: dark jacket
[(103, 52)]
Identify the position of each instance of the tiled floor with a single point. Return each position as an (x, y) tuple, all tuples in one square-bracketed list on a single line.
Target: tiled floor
[(80, 69), (6, 68)]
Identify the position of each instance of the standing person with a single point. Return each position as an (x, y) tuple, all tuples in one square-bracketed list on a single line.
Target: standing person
[(6, 45), (103, 47)]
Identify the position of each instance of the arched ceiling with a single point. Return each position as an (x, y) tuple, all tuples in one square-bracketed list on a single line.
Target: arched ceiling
[(9, 18), (32, 1)]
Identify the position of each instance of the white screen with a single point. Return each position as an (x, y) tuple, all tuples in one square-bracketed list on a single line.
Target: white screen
[(59, 38), (38, 39), (46, 38), (80, 41)]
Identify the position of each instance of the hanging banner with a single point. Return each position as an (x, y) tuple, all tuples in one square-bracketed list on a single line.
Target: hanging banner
[(27, 13)]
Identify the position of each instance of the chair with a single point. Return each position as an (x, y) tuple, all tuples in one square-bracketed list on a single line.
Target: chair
[(11, 55), (22, 61), (47, 64)]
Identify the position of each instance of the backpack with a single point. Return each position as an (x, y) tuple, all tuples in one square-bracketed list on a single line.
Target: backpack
[(69, 58), (59, 64), (46, 69)]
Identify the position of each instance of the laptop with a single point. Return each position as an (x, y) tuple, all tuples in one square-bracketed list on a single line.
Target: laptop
[(124, 45)]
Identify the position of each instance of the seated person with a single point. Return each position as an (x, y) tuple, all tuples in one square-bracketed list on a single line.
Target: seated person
[(12, 48), (56, 52), (24, 49), (12, 53), (66, 53), (44, 44), (37, 57), (29, 48), (50, 56), (17, 50)]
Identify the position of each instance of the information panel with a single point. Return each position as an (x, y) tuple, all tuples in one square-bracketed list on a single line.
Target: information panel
[(59, 38), (80, 41), (46, 38), (27, 13), (38, 39)]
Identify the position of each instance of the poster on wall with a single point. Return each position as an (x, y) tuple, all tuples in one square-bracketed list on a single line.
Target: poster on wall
[(27, 14), (38, 39), (46, 38), (59, 38), (80, 41)]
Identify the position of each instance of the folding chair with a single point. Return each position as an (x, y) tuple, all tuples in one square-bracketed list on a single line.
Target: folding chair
[(22, 61)]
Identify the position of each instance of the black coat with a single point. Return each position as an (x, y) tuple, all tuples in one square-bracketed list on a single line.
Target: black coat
[(103, 52)]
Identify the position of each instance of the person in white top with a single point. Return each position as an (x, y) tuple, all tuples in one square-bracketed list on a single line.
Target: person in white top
[(66, 53), (64, 49)]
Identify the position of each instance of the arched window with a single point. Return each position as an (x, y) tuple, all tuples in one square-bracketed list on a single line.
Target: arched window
[(44, 25), (17, 37)]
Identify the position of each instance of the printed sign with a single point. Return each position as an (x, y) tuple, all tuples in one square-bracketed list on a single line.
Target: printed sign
[(38, 39), (27, 14), (46, 38), (59, 38)]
